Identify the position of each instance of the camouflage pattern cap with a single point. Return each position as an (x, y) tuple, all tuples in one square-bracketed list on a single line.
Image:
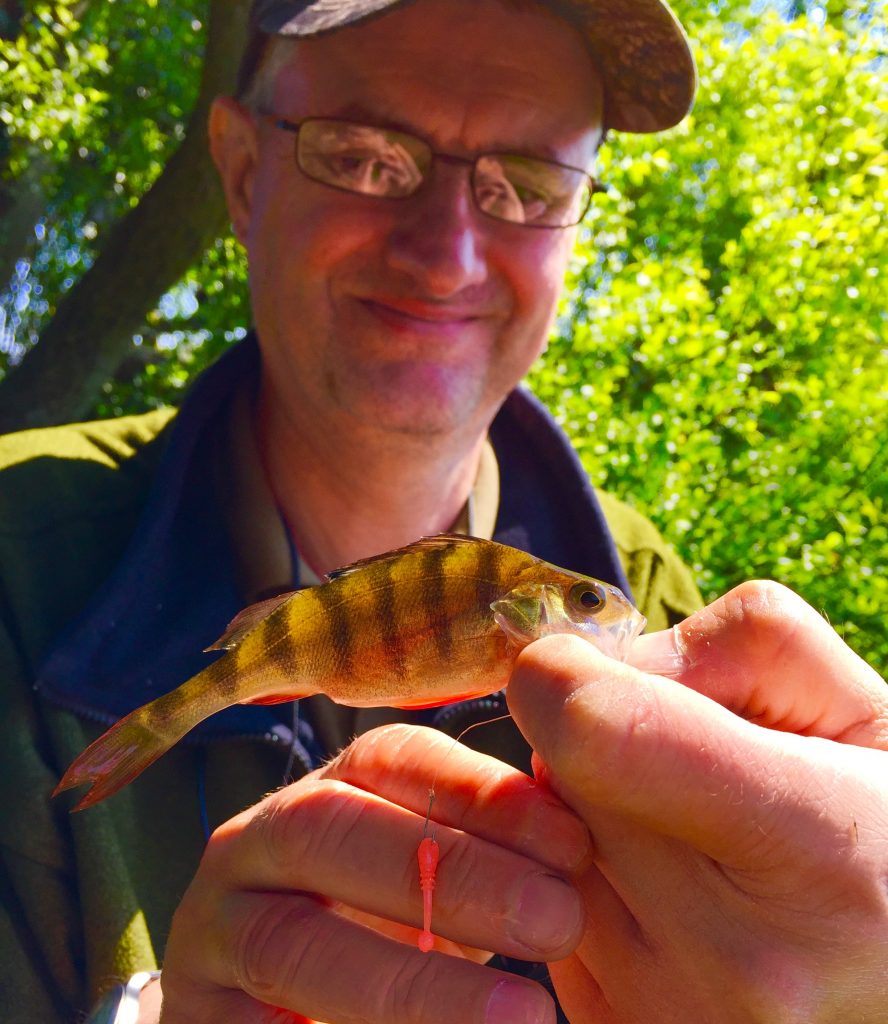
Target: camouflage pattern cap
[(638, 46)]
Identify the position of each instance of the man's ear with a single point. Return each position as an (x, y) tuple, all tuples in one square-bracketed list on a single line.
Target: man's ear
[(233, 146)]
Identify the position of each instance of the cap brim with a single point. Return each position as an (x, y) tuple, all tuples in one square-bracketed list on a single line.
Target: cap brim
[(639, 46), (645, 62)]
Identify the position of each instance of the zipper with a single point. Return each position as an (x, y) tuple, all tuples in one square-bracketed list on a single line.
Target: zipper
[(470, 712)]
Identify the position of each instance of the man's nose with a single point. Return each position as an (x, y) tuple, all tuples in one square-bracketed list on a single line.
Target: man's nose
[(439, 239)]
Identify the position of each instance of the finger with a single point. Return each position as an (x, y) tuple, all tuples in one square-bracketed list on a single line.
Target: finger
[(473, 792), (276, 949), (765, 654), (579, 993), (667, 757), (355, 847), (410, 935)]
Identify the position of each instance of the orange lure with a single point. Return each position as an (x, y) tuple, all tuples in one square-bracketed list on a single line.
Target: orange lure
[(427, 854)]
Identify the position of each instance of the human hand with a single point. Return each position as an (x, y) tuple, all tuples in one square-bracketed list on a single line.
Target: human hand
[(739, 817), (270, 918)]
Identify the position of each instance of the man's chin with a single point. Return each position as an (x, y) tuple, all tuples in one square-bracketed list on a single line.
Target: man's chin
[(427, 423), (426, 417), (429, 402)]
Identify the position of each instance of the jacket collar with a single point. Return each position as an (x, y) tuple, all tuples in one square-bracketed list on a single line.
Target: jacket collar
[(176, 587)]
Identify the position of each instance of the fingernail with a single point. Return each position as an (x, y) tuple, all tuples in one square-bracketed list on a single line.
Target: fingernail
[(514, 1002), (660, 654), (549, 914)]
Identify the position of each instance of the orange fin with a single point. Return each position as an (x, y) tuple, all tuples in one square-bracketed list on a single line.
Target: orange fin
[(113, 760), (282, 699), (247, 620), (439, 540), (419, 705)]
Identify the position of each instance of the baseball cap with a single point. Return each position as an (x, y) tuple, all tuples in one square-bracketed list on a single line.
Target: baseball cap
[(639, 48)]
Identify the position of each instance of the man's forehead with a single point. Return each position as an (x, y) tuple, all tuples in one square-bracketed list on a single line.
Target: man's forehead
[(638, 45), (504, 85)]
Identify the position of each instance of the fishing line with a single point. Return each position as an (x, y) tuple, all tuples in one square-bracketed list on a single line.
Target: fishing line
[(468, 728), (291, 757), (202, 791)]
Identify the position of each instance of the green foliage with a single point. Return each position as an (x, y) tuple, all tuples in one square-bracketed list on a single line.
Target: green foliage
[(722, 358), (91, 108), (48, 91)]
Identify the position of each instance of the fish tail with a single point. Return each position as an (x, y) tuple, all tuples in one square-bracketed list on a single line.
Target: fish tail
[(115, 758), (142, 736)]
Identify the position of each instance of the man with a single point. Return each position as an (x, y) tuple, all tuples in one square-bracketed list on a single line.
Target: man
[(403, 185)]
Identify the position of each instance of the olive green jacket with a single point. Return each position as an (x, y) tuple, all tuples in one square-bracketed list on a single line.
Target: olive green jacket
[(97, 572)]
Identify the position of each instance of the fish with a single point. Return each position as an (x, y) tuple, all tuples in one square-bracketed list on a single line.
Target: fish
[(438, 621)]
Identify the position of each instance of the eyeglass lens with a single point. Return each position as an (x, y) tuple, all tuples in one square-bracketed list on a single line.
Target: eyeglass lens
[(392, 165)]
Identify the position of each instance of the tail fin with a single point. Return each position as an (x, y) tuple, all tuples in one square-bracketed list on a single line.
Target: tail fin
[(114, 759)]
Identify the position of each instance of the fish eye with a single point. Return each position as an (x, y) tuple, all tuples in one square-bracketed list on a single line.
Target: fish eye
[(587, 597)]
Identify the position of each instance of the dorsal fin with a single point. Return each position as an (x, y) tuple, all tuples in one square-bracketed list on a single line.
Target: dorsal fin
[(439, 540), (245, 621)]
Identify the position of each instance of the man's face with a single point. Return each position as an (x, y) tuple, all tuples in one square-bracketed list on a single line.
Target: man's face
[(414, 316)]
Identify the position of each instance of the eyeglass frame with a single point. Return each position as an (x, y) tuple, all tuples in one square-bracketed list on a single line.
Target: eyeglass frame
[(594, 186)]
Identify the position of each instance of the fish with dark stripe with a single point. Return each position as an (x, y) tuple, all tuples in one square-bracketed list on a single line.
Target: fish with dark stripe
[(434, 598), (438, 621)]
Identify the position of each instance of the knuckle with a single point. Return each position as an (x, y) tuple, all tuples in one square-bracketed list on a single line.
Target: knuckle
[(223, 847), (369, 758), (639, 751), (776, 988), (462, 869), (470, 799), (274, 944), (767, 607), (297, 830), (622, 739), (409, 994), (277, 824)]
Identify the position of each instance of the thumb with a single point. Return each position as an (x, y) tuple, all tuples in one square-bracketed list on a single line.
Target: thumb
[(763, 653), (645, 748), (674, 759)]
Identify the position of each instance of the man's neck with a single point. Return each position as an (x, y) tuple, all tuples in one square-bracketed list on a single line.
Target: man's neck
[(343, 501)]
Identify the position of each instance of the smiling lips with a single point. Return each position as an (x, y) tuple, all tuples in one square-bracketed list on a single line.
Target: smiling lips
[(415, 313)]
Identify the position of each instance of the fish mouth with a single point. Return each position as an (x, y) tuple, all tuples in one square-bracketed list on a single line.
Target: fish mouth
[(625, 633)]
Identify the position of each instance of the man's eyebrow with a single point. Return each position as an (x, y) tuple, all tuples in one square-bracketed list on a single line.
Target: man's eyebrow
[(356, 111)]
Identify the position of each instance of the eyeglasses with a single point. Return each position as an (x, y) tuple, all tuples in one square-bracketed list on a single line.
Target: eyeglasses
[(372, 161)]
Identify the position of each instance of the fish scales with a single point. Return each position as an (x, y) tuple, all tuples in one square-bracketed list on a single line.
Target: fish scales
[(281, 636), (434, 598), (398, 621), (376, 622), (446, 588), (459, 610), (440, 620), (490, 568), (465, 579), (290, 633), (339, 624), (242, 667), (308, 637), (390, 617)]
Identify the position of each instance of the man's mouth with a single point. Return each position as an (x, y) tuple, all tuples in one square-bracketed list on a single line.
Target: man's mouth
[(420, 314)]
